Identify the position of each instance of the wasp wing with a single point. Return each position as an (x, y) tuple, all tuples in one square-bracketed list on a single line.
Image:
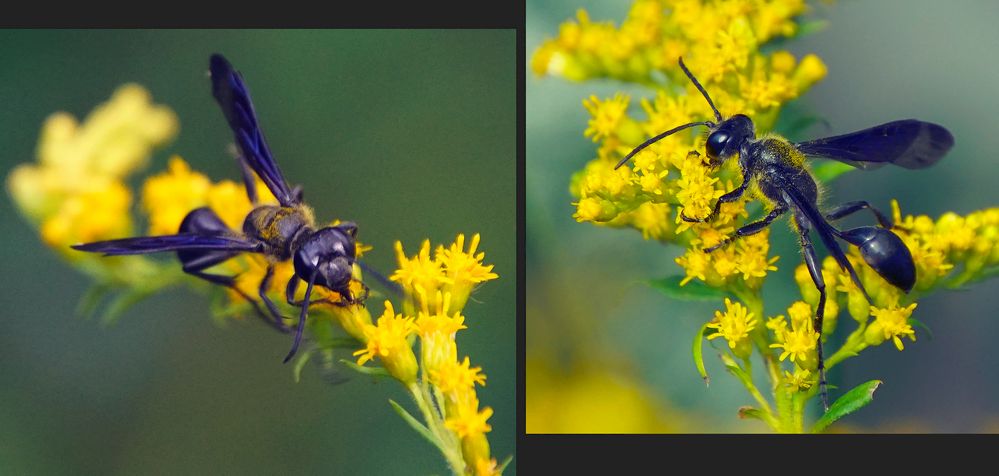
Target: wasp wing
[(154, 244), (232, 95), (907, 143), (825, 231)]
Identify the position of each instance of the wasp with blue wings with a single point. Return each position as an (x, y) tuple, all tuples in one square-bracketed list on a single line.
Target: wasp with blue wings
[(287, 231), (774, 171)]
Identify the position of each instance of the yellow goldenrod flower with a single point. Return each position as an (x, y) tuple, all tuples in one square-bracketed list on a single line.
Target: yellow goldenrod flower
[(387, 341), (890, 323), (801, 379), (457, 378), (606, 116), (114, 140), (468, 420), (421, 272), (74, 192), (463, 269), (486, 467), (734, 325), (437, 332), (799, 344), (169, 196)]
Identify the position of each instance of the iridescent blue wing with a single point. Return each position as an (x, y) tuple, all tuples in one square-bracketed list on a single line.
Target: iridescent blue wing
[(181, 241), (907, 143), (234, 98)]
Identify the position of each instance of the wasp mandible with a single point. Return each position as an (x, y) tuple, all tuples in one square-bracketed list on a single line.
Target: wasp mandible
[(774, 169), (283, 232)]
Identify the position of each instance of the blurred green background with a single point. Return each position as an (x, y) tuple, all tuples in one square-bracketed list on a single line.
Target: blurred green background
[(607, 353), (411, 134)]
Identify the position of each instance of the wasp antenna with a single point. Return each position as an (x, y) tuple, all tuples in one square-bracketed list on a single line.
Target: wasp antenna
[(660, 137), (700, 88)]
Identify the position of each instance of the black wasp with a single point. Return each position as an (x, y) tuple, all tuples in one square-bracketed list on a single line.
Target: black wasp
[(323, 256), (774, 169)]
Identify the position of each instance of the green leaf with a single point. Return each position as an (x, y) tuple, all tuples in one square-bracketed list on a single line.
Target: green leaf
[(120, 303), (340, 343), (413, 422), (850, 402), (750, 412), (504, 464), (699, 355), (91, 299), (372, 371), (300, 362), (811, 27), (929, 333), (692, 291), (829, 170)]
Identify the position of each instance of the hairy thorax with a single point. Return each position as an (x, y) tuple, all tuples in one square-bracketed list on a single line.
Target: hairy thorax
[(278, 227)]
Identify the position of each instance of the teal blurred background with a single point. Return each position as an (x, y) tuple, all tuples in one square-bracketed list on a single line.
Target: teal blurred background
[(411, 134), (590, 318)]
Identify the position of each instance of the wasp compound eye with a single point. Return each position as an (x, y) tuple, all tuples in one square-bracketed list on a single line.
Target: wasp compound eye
[(885, 252), (716, 143)]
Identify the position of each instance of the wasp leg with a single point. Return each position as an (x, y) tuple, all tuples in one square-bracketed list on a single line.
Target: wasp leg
[(196, 266), (728, 197), (815, 270), (752, 228), (301, 317), (292, 287), (248, 181), (262, 292), (850, 208)]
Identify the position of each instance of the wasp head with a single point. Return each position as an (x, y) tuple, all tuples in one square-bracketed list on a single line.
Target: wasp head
[(727, 138), (328, 254)]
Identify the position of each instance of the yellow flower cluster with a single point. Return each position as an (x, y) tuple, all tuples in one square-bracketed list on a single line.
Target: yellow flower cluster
[(437, 290), (954, 249), (452, 270), (76, 191), (799, 341), (734, 325), (720, 42)]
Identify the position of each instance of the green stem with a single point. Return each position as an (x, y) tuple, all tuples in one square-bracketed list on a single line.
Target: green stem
[(747, 381), (450, 446), (854, 344)]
